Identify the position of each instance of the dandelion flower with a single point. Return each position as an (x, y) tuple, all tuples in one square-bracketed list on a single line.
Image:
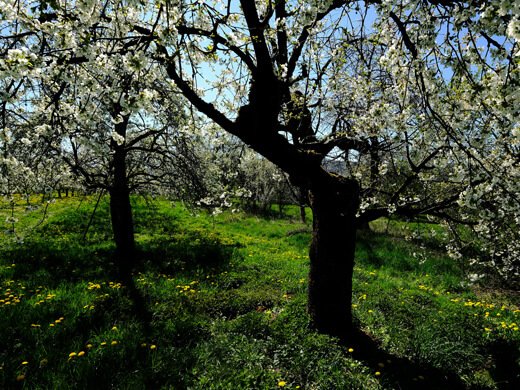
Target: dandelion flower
[(114, 328), (103, 343), (114, 342), (378, 373), (281, 384), (81, 353), (72, 354), (25, 362), (351, 350), (89, 346), (153, 346), (143, 345)]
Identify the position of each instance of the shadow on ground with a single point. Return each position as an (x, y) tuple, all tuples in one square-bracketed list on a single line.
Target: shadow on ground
[(397, 372)]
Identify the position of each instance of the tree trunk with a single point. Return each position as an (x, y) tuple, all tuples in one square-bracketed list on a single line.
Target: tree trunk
[(334, 204), (121, 214), (122, 227), (303, 216)]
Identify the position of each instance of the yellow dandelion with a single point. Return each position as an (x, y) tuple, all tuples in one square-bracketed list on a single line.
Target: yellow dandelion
[(114, 328), (114, 342), (25, 362), (378, 373), (89, 346), (351, 350), (103, 343), (153, 346), (81, 353), (281, 383), (143, 344), (72, 354), (35, 325)]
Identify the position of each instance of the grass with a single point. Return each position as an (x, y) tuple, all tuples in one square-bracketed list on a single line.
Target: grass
[(219, 303)]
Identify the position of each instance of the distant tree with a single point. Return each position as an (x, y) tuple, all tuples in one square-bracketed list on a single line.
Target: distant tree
[(419, 97)]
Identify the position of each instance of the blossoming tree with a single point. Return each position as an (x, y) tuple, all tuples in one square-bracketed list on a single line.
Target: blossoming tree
[(90, 107), (417, 99)]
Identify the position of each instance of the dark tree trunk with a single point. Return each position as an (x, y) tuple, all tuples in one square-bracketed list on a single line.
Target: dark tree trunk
[(303, 215), (122, 221), (334, 204), (121, 209)]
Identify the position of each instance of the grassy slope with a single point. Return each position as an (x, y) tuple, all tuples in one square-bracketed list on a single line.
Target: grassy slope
[(223, 306)]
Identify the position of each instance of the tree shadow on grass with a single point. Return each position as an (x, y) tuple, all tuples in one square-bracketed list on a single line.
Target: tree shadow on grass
[(54, 263), (398, 372), (506, 372)]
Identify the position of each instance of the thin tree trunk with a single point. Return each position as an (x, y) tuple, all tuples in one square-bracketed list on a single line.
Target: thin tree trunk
[(332, 256), (303, 216)]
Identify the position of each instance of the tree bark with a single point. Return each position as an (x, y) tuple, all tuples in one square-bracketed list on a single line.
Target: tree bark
[(334, 204), (120, 207), (121, 215)]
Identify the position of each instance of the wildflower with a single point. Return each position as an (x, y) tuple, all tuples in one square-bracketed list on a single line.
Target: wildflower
[(114, 328), (143, 345), (153, 346), (351, 350), (72, 354), (81, 353), (377, 373), (89, 346), (103, 343), (43, 362), (114, 342), (20, 378), (281, 383), (25, 362), (35, 325)]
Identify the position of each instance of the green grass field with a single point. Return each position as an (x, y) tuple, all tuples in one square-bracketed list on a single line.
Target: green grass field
[(220, 303)]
